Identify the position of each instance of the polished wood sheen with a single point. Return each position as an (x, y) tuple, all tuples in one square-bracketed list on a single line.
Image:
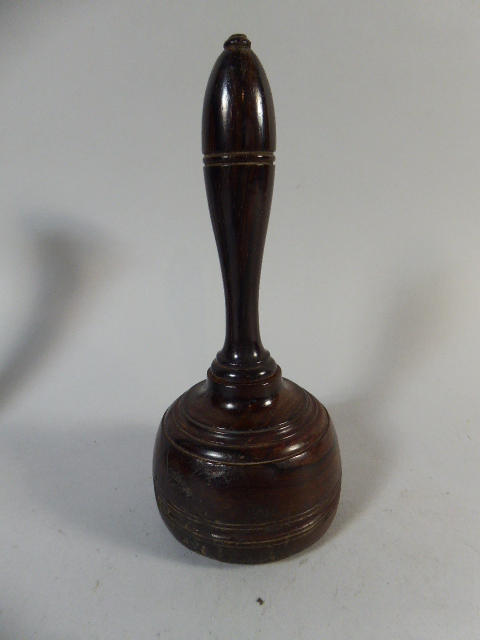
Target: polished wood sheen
[(246, 466)]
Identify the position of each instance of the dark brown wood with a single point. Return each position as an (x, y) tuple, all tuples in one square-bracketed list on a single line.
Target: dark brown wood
[(246, 466)]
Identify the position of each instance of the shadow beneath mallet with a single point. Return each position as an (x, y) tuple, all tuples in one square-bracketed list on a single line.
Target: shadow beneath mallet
[(99, 481), (67, 260), (369, 446)]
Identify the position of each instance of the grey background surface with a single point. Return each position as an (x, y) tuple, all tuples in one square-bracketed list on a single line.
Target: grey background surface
[(111, 306)]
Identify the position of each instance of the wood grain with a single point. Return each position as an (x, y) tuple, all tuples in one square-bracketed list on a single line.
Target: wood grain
[(246, 464)]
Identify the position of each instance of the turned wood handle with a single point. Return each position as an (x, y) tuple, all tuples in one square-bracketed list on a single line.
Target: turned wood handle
[(246, 466), (238, 141)]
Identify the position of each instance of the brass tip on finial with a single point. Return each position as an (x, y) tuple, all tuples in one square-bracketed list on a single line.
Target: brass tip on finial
[(237, 40)]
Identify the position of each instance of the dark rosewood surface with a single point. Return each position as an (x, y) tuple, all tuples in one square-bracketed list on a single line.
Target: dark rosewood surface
[(246, 465)]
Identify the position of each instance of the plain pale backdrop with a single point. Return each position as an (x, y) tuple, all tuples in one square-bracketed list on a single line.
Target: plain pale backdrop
[(111, 306)]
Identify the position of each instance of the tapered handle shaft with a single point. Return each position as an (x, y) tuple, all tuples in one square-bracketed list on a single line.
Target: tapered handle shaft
[(238, 140)]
